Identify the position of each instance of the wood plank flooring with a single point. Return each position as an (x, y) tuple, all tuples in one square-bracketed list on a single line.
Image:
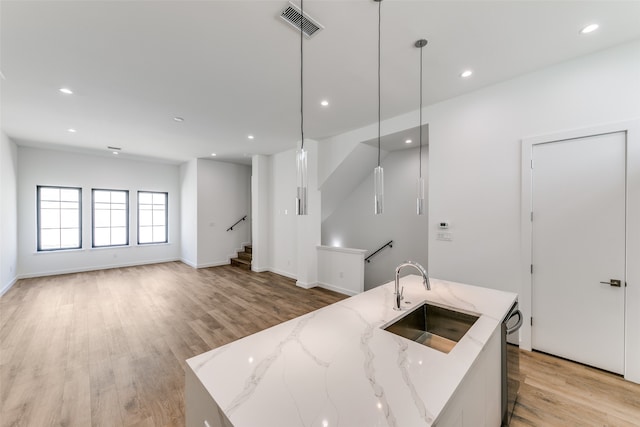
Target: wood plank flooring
[(107, 348), (557, 392)]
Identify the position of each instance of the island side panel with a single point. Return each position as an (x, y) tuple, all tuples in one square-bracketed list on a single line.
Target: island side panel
[(200, 408), (476, 402)]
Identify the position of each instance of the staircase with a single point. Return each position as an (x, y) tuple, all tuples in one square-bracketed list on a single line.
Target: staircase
[(244, 258)]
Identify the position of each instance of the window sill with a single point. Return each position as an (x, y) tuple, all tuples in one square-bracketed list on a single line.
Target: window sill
[(102, 248), (58, 251)]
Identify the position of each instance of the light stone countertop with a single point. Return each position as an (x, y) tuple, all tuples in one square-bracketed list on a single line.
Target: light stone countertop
[(337, 367)]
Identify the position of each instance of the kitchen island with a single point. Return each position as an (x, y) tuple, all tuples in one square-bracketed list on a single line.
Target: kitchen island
[(337, 366)]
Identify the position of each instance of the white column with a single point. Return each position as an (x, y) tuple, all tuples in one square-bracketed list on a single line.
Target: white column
[(260, 211), (308, 226)]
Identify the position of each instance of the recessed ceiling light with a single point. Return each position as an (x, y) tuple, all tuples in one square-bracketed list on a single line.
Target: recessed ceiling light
[(115, 152), (71, 130), (178, 119), (250, 136), (466, 73), (213, 154), (408, 141), (324, 103), (66, 91), (589, 29)]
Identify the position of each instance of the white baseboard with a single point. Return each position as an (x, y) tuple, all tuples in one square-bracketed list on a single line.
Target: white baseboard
[(94, 268), (8, 286), (305, 285), (282, 273), (338, 289), (214, 264), (189, 263)]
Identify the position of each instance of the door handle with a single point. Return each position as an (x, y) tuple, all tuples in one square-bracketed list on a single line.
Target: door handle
[(613, 282)]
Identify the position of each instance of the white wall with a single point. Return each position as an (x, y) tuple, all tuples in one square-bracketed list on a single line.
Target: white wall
[(224, 196), (354, 225), (632, 314), (8, 213), (49, 167), (341, 269), (189, 212), (475, 152), (347, 176), (283, 234)]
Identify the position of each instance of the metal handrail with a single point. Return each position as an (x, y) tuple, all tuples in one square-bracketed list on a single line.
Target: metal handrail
[(237, 222), (389, 243)]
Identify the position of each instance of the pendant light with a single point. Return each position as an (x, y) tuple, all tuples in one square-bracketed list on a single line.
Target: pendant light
[(378, 176), (301, 154), (420, 184)]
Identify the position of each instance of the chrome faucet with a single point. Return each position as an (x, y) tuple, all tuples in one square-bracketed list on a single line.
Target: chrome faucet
[(398, 293)]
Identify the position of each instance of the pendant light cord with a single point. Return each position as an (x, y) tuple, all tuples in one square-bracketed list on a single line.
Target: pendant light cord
[(421, 112), (301, 76), (379, 37)]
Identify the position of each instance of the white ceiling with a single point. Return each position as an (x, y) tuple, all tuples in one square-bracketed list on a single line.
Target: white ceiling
[(231, 68)]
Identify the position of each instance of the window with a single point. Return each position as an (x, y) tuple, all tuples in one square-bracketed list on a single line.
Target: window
[(59, 218), (110, 218), (152, 217)]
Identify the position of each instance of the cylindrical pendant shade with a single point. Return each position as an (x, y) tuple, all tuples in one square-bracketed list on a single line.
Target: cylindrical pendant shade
[(378, 188), (301, 182), (420, 198)]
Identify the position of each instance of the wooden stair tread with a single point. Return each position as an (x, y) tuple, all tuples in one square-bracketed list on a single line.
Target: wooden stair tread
[(243, 260)]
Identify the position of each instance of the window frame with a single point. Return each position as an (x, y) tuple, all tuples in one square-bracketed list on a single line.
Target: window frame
[(166, 217), (93, 223), (38, 218)]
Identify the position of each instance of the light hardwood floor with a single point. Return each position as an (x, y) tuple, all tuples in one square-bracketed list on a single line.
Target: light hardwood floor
[(557, 393), (107, 348)]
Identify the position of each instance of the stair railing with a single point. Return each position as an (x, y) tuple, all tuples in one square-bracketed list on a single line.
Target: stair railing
[(389, 244), (237, 222)]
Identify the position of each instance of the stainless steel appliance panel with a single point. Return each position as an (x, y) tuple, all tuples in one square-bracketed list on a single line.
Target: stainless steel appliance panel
[(510, 364)]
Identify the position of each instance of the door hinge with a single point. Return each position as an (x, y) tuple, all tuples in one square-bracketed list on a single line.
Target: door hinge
[(532, 321), (531, 216), (531, 268), (531, 163)]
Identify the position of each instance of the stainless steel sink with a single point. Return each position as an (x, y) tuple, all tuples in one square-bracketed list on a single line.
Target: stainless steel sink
[(434, 326)]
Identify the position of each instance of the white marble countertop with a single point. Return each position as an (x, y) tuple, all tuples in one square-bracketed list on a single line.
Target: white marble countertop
[(337, 367)]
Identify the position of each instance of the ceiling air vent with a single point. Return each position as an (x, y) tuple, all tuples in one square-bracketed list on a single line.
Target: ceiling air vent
[(292, 16)]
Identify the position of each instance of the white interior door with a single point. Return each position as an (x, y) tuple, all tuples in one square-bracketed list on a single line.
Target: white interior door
[(578, 240)]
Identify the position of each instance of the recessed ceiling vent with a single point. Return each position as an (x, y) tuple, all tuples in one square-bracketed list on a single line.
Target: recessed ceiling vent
[(292, 16)]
